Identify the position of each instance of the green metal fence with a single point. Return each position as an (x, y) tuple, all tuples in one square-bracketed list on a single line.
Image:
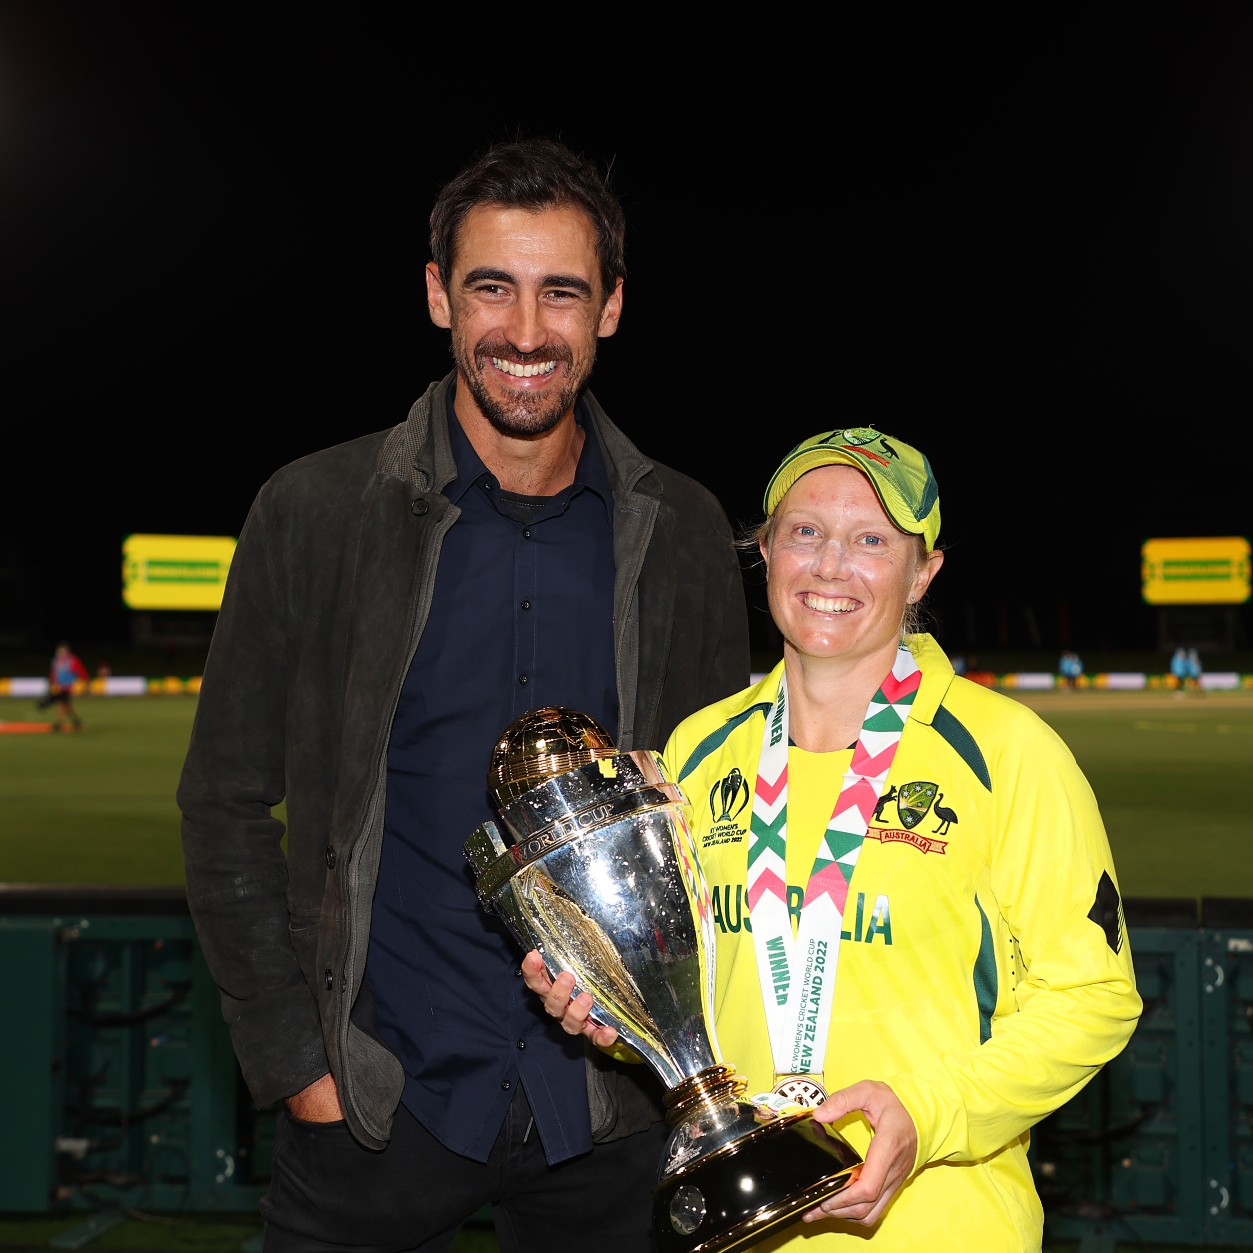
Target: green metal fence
[(1159, 1146), (125, 1092), (124, 1086)]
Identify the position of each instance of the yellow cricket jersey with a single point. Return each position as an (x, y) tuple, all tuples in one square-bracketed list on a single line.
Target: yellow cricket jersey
[(984, 970)]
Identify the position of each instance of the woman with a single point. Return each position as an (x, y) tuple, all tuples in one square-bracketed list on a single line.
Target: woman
[(928, 856)]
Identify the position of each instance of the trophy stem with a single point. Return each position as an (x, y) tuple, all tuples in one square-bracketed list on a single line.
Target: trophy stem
[(715, 1085), (735, 1171)]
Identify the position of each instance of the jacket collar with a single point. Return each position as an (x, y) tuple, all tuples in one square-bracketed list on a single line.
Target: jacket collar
[(421, 446)]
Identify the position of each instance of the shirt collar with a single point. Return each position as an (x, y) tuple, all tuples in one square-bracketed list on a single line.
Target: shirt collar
[(590, 471)]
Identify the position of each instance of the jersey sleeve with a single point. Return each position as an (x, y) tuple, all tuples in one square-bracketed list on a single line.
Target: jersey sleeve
[(1052, 901)]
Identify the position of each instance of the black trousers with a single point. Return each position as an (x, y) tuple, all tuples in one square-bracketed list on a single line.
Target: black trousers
[(328, 1194)]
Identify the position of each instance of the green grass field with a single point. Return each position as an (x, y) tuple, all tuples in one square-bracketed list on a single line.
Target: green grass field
[(95, 806), (1170, 771)]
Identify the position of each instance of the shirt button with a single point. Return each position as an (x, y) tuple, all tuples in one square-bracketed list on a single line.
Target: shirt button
[(521, 1045), (526, 532), (523, 680), (505, 1085), (526, 604), (517, 974)]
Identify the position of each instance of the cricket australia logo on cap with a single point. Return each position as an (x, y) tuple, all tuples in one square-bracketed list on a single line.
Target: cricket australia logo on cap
[(855, 435)]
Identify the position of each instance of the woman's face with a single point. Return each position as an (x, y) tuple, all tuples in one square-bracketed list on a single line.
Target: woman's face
[(839, 573)]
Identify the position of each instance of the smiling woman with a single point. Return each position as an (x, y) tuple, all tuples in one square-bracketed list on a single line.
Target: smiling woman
[(923, 861)]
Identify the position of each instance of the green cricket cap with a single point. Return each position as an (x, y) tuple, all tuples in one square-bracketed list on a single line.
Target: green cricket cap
[(899, 473)]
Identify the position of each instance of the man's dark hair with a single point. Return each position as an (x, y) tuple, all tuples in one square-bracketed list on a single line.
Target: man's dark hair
[(532, 174)]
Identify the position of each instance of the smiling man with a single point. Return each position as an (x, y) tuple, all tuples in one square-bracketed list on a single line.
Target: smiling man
[(394, 604), (525, 306)]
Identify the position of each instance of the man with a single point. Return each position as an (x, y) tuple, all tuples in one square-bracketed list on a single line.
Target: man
[(394, 603)]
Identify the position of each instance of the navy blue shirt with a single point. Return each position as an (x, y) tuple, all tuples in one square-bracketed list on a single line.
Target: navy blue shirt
[(522, 616)]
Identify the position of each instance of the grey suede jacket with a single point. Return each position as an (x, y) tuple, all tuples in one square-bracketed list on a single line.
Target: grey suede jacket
[(324, 606)]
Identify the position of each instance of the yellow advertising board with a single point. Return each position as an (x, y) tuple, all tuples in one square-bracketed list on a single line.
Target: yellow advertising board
[(175, 571), (1211, 571)]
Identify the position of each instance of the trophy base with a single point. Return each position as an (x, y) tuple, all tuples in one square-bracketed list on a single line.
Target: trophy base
[(737, 1175)]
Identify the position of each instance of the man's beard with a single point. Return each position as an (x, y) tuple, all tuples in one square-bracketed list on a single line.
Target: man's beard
[(525, 413)]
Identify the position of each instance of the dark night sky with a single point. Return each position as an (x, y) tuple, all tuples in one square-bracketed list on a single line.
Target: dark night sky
[(1026, 249)]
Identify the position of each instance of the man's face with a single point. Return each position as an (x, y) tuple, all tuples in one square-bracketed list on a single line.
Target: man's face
[(525, 308)]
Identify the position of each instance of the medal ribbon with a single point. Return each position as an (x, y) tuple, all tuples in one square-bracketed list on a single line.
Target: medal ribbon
[(798, 976)]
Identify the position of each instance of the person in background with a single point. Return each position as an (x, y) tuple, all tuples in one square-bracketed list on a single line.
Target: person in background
[(393, 605), (919, 930), (1070, 667), (65, 672), (1193, 670), (1179, 668)]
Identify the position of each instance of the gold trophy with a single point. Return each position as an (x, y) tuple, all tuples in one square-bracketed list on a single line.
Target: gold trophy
[(598, 873)]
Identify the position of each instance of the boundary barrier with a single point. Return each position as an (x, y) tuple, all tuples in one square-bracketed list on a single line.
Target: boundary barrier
[(35, 687)]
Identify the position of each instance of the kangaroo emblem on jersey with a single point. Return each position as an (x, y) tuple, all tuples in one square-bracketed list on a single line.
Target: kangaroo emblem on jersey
[(889, 795), (727, 792), (913, 800)]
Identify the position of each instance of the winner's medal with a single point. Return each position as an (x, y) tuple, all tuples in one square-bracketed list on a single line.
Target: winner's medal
[(801, 1089)]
